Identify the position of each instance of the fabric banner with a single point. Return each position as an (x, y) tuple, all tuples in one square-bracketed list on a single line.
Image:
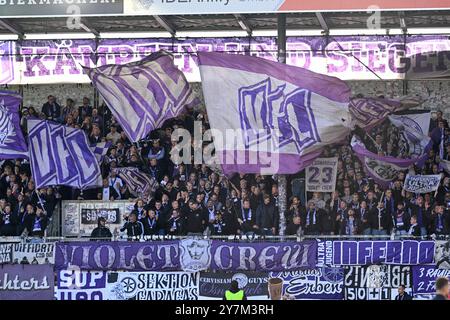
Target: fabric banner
[(382, 169), (27, 282), (227, 256), (136, 256), (61, 155), (352, 252), (142, 95), (152, 286), (444, 165), (34, 253), (12, 142), (74, 224), (322, 284), (376, 282), (345, 57), (75, 284), (282, 116), (424, 278), (141, 185), (422, 183), (442, 254), (91, 216), (6, 253), (418, 120), (370, 112), (214, 284), (321, 175)]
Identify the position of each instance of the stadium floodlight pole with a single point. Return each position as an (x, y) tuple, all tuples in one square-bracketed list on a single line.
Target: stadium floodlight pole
[(282, 179)]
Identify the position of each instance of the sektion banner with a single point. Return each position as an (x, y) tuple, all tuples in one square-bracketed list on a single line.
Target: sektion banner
[(214, 284), (27, 282), (152, 285), (321, 175), (407, 252), (422, 183), (75, 284), (375, 282), (321, 283)]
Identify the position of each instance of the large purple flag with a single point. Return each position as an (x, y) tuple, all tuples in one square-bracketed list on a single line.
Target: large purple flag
[(382, 169), (61, 155), (370, 112), (12, 142), (269, 117), (143, 94)]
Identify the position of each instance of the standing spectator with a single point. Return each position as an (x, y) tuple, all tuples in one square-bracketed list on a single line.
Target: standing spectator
[(350, 225), (52, 109), (113, 136), (401, 220), (312, 219), (379, 220), (175, 224), (101, 231), (267, 217), (133, 227), (402, 294), (442, 289), (150, 223)]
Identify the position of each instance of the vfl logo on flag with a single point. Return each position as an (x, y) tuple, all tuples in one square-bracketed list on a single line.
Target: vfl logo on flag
[(263, 110), (6, 127)]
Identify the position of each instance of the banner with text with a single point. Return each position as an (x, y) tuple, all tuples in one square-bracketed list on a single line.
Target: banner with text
[(351, 252), (424, 278), (348, 58), (375, 282), (76, 284), (322, 284), (321, 175), (422, 183), (6, 253), (34, 253)]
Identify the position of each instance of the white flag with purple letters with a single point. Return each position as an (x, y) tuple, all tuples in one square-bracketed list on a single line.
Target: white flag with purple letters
[(269, 117), (61, 155), (142, 95)]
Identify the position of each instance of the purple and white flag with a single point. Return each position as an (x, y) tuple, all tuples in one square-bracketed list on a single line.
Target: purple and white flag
[(264, 114), (142, 95), (100, 150), (61, 155), (12, 142), (370, 112), (382, 169), (139, 183)]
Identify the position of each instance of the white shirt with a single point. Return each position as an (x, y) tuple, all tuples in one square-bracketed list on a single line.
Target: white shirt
[(106, 196)]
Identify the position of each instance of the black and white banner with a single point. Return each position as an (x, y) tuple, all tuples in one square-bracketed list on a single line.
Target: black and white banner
[(152, 285), (34, 253), (6, 253), (214, 284), (422, 183), (321, 175), (375, 282)]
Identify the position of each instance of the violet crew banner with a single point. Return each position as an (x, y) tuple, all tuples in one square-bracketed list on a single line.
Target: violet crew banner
[(424, 278), (61, 155), (321, 175), (406, 252), (46, 61), (320, 283), (143, 94), (74, 284), (152, 285), (376, 282), (263, 256), (422, 183), (12, 142), (286, 115), (27, 282)]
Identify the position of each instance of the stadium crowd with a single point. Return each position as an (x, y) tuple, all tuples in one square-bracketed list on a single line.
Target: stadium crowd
[(196, 199)]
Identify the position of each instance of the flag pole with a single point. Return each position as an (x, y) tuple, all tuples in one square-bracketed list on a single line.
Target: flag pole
[(281, 178)]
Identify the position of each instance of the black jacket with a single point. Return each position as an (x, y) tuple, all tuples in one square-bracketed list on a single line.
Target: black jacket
[(101, 232), (151, 226), (194, 221), (50, 112), (405, 296), (385, 220), (267, 216), (134, 229)]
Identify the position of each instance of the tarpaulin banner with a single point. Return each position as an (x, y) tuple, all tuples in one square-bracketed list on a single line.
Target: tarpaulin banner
[(320, 283), (6, 253), (375, 282), (226, 256), (321, 175), (34, 253), (76, 284), (424, 278), (47, 61), (214, 284), (152, 285), (27, 282), (352, 252), (422, 183), (79, 217), (442, 254)]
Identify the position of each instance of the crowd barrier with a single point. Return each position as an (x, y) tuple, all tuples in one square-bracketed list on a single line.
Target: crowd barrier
[(192, 268)]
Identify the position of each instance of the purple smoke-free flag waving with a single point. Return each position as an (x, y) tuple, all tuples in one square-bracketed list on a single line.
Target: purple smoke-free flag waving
[(270, 117), (61, 155), (142, 95), (12, 142)]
